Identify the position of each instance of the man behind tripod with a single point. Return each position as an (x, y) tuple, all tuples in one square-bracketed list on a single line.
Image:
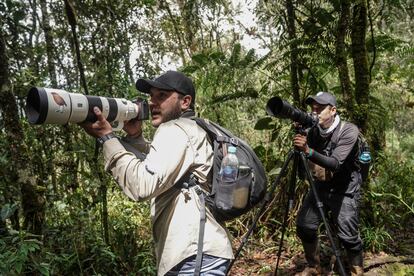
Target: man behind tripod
[(337, 181)]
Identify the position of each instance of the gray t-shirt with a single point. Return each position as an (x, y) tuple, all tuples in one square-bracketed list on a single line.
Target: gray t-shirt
[(339, 158)]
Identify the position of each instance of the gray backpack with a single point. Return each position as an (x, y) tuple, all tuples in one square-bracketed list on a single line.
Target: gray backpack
[(253, 176)]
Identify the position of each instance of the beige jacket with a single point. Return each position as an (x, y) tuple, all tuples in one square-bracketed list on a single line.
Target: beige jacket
[(178, 146)]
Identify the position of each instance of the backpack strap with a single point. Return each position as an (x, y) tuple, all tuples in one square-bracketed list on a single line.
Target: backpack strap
[(334, 142), (203, 217), (335, 137), (192, 182), (228, 140), (217, 138)]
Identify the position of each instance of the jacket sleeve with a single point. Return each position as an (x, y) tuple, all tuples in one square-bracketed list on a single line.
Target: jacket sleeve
[(165, 163), (346, 143), (139, 143)]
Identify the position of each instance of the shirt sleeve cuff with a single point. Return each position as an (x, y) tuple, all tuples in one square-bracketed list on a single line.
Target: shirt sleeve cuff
[(111, 147)]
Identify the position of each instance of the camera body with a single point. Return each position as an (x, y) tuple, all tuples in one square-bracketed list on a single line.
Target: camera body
[(56, 106)]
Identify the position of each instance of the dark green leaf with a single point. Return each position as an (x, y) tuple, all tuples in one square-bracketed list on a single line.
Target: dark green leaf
[(200, 59), (217, 57), (264, 123), (8, 210)]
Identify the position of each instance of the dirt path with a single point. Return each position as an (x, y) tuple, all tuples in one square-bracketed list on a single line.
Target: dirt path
[(263, 263), (259, 257)]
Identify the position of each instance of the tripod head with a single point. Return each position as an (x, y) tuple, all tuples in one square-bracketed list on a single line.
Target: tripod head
[(300, 138), (299, 129)]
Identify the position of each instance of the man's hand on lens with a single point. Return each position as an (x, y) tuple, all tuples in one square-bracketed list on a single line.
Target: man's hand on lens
[(300, 141), (133, 127), (100, 128)]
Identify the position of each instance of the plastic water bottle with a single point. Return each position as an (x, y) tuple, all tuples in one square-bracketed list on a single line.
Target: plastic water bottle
[(365, 156), (229, 166), (364, 162)]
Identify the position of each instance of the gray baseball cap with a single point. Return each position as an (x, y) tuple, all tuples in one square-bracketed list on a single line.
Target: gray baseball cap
[(323, 98)]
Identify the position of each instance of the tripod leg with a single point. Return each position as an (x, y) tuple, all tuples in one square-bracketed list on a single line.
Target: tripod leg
[(319, 204), (262, 208), (289, 206)]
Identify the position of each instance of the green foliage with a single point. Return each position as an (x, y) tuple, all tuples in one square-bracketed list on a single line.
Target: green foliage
[(391, 194), (8, 210), (21, 253), (74, 244), (375, 238), (394, 189)]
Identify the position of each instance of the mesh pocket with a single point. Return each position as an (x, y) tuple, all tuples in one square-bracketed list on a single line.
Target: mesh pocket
[(233, 195)]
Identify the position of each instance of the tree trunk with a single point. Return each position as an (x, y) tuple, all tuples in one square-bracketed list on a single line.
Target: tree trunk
[(362, 82), (49, 43), (360, 58), (165, 6), (53, 80), (125, 46), (189, 14), (104, 195), (72, 19), (4, 88), (342, 57), (293, 52), (33, 202)]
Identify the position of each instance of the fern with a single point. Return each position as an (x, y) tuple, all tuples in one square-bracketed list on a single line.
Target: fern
[(384, 43)]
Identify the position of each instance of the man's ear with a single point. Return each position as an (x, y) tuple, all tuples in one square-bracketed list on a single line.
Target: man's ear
[(186, 102), (333, 110)]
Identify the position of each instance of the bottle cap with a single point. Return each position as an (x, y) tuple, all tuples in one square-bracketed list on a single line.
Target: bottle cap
[(232, 149), (365, 157)]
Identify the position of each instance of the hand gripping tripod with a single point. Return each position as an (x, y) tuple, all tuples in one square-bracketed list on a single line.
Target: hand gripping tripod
[(297, 157)]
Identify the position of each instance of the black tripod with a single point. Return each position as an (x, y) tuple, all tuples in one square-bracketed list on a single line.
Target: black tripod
[(297, 157)]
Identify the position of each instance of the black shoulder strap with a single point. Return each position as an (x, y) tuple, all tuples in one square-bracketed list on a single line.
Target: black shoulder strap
[(213, 135), (207, 127), (335, 136), (216, 132), (190, 181), (203, 217), (193, 182), (220, 138)]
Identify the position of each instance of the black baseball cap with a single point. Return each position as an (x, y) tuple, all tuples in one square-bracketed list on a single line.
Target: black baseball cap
[(169, 81), (323, 98)]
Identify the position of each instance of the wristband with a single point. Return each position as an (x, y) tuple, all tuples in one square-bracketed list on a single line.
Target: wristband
[(106, 137), (310, 153)]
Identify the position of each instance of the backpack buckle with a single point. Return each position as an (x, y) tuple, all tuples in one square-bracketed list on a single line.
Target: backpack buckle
[(234, 141), (198, 190), (185, 185)]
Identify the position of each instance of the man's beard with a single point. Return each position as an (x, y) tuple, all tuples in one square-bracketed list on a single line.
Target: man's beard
[(173, 114)]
